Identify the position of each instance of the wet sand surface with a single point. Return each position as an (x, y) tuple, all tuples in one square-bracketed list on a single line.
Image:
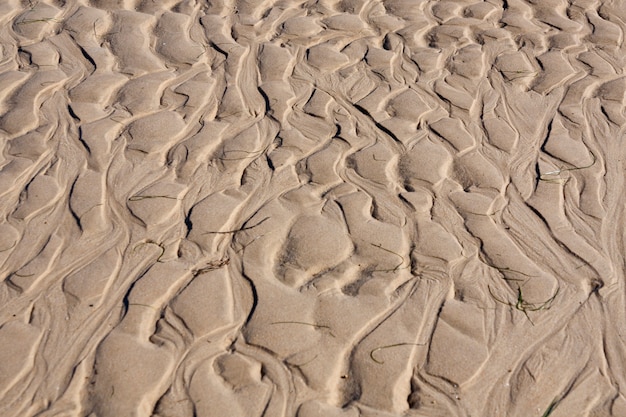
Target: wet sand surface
[(312, 208)]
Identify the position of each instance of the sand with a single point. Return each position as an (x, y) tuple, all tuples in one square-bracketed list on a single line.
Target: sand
[(312, 208)]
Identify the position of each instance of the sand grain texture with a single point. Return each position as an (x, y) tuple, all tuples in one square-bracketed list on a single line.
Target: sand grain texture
[(324, 208)]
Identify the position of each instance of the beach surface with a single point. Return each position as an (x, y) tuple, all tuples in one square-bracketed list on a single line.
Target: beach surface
[(337, 208)]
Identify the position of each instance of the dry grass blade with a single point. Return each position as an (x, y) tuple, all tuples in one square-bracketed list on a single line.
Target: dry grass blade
[(211, 266), (551, 407), (317, 326), (299, 365), (152, 242), (524, 306), (503, 270), (399, 266), (236, 230), (553, 176), (243, 247)]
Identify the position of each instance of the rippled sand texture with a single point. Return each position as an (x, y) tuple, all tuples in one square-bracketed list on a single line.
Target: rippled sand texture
[(322, 208)]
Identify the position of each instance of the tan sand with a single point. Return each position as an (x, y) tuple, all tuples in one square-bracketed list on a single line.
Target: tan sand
[(312, 208)]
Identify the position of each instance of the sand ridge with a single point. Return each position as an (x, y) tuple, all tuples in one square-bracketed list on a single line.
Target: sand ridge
[(305, 208)]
